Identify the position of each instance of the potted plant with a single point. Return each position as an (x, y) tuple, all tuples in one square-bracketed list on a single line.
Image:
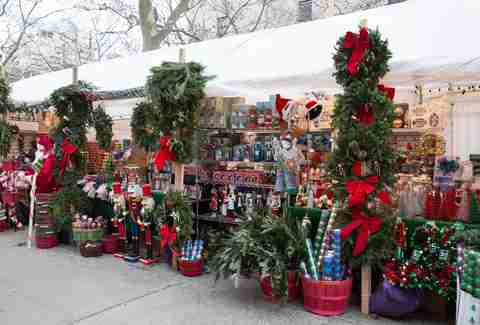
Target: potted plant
[(63, 206), (265, 245), (179, 221)]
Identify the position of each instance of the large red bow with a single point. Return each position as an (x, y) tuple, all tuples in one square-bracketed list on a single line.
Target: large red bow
[(169, 235), (365, 115), (165, 153), (359, 190), (388, 91), (68, 150), (366, 226), (359, 43)]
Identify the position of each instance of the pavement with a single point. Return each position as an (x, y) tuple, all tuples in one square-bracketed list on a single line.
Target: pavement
[(60, 287)]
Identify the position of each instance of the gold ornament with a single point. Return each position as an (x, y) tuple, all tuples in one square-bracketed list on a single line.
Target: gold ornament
[(398, 123), (431, 145)]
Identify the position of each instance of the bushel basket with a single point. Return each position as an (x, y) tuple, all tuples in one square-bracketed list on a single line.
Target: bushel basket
[(326, 298), (191, 268)]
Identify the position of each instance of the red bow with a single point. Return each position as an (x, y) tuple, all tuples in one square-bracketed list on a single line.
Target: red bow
[(359, 190), (359, 43), (169, 235), (165, 153), (68, 150), (365, 115), (366, 226), (388, 91)]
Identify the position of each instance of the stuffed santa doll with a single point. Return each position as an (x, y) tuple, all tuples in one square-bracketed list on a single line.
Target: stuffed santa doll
[(45, 162)]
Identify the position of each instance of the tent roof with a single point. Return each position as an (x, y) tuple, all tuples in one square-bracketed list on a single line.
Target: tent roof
[(430, 39)]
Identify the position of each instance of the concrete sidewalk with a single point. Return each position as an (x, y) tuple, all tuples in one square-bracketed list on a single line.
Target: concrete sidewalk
[(59, 287)]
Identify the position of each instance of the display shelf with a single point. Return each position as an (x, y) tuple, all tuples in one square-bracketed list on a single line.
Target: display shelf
[(218, 219), (257, 131), (407, 131)]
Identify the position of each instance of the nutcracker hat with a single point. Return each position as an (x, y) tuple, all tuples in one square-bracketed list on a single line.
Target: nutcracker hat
[(45, 141), (147, 190), (314, 109)]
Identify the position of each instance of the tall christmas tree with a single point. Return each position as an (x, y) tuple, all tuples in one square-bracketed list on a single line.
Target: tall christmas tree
[(361, 166)]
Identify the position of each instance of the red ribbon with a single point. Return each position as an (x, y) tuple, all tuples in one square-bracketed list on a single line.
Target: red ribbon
[(68, 150), (165, 153), (359, 43), (169, 235), (365, 115), (365, 227), (388, 91), (359, 190)]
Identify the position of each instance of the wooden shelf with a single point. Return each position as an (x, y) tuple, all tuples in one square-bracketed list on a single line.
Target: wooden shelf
[(407, 131), (218, 219)]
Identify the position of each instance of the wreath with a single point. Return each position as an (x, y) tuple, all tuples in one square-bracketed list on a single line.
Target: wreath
[(175, 92)]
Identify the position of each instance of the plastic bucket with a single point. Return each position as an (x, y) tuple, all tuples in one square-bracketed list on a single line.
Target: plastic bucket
[(326, 298)]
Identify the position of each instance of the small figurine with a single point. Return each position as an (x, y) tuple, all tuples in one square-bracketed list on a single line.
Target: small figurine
[(276, 203), (250, 204), (224, 207), (231, 203), (214, 200), (289, 157)]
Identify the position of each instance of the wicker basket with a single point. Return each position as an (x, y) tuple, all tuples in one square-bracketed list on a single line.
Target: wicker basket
[(91, 249), (110, 244), (191, 268), (293, 287), (326, 298), (47, 241)]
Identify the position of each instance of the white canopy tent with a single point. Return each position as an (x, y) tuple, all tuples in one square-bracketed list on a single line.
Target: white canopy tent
[(430, 39)]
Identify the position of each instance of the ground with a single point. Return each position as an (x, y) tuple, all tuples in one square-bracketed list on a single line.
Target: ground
[(59, 287)]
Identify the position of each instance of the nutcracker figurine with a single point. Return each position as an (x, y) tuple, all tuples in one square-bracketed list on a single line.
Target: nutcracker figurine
[(134, 217), (224, 200), (276, 203), (146, 213), (231, 203), (214, 201), (118, 221), (250, 204)]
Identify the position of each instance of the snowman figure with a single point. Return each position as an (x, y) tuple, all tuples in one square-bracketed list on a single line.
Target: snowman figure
[(289, 158)]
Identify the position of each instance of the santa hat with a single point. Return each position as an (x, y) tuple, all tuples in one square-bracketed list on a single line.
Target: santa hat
[(280, 104), (286, 136), (45, 141), (314, 109)]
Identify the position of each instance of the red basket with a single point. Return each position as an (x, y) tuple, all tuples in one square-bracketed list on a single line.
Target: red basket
[(46, 242), (3, 225), (110, 244), (293, 287), (191, 268), (326, 298)]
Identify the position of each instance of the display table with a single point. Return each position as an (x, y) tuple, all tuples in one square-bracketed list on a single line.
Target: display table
[(413, 223)]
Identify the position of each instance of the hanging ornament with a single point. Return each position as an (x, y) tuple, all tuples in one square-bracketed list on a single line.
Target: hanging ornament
[(398, 123)]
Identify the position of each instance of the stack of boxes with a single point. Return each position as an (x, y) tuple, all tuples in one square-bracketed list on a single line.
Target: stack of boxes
[(44, 222)]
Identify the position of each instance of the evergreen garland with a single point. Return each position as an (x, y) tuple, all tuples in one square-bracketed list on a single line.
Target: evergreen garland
[(358, 142), (142, 124), (6, 104), (103, 124), (474, 209), (175, 92), (6, 136)]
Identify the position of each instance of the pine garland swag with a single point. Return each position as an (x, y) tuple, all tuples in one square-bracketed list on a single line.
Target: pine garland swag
[(363, 118), (474, 209)]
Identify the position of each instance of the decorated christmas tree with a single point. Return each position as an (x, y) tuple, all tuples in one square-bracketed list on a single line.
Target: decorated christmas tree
[(361, 166), (474, 210)]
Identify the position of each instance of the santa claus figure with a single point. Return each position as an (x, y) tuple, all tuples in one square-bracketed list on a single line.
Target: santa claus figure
[(44, 165), (289, 157)]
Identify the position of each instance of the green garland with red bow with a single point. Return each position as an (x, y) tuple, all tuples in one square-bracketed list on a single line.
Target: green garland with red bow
[(361, 166)]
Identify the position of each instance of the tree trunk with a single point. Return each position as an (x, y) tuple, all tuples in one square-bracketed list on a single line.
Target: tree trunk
[(152, 34)]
